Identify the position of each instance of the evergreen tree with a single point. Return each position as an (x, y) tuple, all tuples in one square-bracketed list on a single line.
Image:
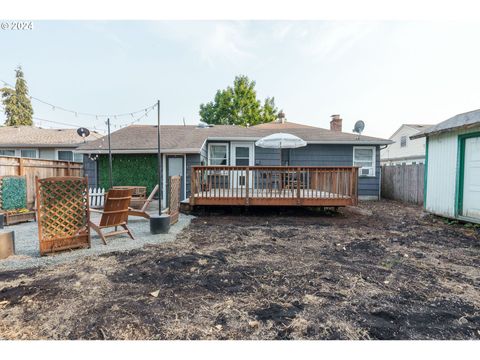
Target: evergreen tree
[(238, 105), (18, 107)]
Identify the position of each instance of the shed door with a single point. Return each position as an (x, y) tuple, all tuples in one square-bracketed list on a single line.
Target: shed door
[(471, 178)]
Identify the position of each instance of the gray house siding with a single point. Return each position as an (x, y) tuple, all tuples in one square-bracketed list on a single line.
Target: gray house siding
[(192, 160), (337, 155), (323, 155), (370, 186), (267, 157), (90, 171)]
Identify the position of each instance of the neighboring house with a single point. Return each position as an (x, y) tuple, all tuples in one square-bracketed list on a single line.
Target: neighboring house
[(452, 167), (182, 147), (35, 142), (405, 151)]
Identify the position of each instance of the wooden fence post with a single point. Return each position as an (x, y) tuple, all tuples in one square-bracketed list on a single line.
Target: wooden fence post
[(247, 185), (21, 169), (194, 186), (298, 186)]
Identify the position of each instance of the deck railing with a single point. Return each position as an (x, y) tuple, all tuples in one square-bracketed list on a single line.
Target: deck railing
[(274, 185)]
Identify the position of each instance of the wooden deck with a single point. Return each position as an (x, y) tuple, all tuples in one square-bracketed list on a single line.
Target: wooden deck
[(273, 186)]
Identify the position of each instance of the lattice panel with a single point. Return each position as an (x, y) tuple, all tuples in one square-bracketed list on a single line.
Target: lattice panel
[(174, 197), (63, 214)]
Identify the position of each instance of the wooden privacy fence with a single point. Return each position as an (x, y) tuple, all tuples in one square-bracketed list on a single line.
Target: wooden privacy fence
[(174, 198), (62, 213), (403, 182), (30, 168)]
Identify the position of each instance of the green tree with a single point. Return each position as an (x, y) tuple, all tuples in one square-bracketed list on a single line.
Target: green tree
[(238, 105), (18, 107)]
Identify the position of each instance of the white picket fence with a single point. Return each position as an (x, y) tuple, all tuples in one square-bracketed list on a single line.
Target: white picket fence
[(97, 197)]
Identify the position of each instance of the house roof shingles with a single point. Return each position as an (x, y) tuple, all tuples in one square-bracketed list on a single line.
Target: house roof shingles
[(190, 138), (464, 120), (31, 136)]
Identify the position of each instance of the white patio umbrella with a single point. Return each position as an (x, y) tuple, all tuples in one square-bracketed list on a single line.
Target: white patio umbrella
[(281, 141)]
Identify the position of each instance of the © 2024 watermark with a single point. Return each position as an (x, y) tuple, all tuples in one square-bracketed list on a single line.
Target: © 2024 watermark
[(15, 25)]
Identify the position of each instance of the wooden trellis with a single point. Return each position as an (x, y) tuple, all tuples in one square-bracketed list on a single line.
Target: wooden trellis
[(174, 198), (63, 213)]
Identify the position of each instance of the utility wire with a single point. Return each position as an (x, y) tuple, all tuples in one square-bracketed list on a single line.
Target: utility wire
[(76, 113)]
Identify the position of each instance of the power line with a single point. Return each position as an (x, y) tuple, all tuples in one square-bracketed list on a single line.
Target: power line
[(137, 120), (77, 113)]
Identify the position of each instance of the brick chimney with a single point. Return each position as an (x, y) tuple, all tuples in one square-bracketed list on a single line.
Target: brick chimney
[(336, 123)]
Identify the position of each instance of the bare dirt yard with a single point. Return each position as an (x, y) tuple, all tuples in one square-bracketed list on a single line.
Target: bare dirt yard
[(381, 271)]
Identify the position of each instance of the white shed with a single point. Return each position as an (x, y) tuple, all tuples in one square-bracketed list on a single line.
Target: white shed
[(452, 167)]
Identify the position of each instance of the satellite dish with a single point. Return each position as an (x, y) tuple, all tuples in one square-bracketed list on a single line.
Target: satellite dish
[(359, 126), (83, 132), (203, 125)]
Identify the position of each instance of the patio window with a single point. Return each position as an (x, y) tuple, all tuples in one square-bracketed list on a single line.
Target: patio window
[(28, 153), (364, 157), (68, 155), (218, 154), (7, 152)]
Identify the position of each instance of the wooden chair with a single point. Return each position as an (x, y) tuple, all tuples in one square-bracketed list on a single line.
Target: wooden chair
[(143, 210), (114, 214)]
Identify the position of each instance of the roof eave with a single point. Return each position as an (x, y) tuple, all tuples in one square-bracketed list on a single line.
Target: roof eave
[(39, 145), (137, 151), (441, 131)]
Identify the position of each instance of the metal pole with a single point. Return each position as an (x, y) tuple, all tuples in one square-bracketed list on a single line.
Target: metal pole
[(159, 161), (109, 155)]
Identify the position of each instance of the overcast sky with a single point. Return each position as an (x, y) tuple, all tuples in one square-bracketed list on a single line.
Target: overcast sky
[(384, 73)]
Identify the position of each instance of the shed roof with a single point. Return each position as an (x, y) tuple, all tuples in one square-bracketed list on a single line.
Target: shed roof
[(465, 120), (190, 138), (31, 136)]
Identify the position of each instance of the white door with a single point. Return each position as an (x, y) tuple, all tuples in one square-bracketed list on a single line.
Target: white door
[(175, 168), (241, 155), (471, 178)]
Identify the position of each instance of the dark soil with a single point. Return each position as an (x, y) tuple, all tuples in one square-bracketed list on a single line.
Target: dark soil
[(381, 271)]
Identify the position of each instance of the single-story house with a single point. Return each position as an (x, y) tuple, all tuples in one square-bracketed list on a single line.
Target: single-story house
[(405, 151), (134, 151), (39, 143), (452, 167)]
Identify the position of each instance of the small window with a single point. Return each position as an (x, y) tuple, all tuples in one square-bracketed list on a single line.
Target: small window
[(28, 153), (364, 157), (217, 154), (403, 141), (7, 152), (65, 155)]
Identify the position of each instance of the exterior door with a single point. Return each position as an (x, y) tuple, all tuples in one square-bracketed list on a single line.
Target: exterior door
[(241, 155), (174, 168), (471, 178)]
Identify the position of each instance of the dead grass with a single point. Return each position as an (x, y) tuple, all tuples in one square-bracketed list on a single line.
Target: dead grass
[(383, 271)]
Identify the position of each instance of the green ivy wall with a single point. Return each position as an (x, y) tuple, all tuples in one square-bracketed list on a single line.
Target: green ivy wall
[(129, 170)]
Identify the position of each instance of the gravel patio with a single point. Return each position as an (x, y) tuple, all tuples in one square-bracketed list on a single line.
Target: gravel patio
[(27, 244)]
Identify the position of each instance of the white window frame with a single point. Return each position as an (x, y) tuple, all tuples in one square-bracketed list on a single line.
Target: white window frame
[(210, 152), (80, 154), (14, 152), (73, 155), (374, 161), (401, 139), (36, 154), (58, 150)]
